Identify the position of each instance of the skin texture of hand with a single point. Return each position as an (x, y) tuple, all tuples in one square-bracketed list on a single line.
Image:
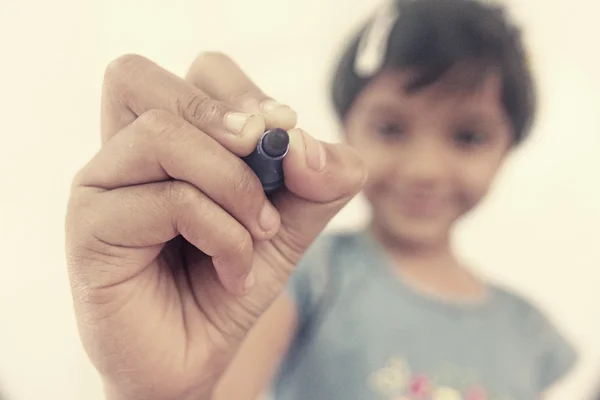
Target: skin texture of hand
[(174, 251)]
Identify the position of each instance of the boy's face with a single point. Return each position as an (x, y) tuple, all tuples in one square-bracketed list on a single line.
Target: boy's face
[(432, 154)]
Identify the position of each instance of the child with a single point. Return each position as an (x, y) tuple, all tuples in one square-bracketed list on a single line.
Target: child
[(434, 94)]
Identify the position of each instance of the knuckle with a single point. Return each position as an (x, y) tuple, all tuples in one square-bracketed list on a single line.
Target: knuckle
[(153, 117), (160, 123), (209, 58), (78, 179), (242, 243), (122, 66), (117, 75), (244, 182), (183, 200), (180, 193), (199, 110), (208, 62)]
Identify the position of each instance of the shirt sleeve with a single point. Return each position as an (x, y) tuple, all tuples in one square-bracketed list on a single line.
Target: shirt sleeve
[(308, 281), (555, 355)]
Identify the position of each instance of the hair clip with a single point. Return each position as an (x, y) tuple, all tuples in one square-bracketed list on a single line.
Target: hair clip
[(372, 45)]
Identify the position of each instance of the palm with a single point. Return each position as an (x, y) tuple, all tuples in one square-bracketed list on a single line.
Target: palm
[(180, 316)]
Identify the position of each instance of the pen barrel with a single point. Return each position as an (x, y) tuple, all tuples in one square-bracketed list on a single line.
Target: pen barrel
[(269, 171)]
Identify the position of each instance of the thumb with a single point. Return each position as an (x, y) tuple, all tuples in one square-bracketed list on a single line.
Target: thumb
[(321, 178)]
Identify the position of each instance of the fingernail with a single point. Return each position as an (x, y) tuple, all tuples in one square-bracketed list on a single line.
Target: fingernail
[(239, 123), (315, 152), (269, 217), (250, 281)]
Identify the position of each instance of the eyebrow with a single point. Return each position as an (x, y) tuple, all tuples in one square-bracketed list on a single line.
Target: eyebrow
[(386, 109), (480, 119)]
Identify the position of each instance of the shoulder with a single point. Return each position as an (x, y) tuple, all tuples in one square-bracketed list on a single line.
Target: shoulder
[(552, 351), (529, 318), (520, 306), (515, 303)]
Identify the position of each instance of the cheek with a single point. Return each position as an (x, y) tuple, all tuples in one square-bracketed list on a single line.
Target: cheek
[(477, 178)]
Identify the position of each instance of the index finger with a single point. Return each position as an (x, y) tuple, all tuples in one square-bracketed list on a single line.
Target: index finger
[(134, 85), (221, 77)]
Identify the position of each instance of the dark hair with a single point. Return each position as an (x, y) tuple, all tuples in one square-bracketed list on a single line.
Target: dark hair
[(434, 36)]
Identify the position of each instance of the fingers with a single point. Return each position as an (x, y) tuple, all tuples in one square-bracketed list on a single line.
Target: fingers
[(160, 146), (321, 179), (134, 85), (216, 105), (221, 78), (152, 214)]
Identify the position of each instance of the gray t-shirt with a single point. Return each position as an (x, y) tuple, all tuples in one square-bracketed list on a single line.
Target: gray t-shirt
[(364, 334)]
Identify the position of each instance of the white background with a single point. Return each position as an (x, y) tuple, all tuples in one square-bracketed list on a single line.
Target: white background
[(539, 231)]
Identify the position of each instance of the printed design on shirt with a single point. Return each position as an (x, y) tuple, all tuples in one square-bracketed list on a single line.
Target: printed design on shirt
[(396, 381)]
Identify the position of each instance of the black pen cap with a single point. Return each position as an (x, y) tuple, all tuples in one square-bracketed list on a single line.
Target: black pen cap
[(267, 158)]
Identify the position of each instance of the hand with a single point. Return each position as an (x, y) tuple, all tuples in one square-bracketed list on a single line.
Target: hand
[(173, 249)]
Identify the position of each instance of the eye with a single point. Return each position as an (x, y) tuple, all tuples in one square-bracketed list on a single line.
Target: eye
[(469, 139), (390, 130)]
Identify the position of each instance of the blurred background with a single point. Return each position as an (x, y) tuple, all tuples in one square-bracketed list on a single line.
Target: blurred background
[(540, 233)]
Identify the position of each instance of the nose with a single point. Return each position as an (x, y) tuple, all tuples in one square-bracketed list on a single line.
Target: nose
[(423, 163)]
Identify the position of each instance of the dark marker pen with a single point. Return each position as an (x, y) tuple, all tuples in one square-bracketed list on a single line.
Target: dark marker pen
[(267, 158)]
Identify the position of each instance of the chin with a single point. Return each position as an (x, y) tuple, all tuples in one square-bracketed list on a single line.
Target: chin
[(413, 234)]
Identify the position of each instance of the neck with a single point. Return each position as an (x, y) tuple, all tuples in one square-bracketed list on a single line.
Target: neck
[(432, 255), (431, 267)]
